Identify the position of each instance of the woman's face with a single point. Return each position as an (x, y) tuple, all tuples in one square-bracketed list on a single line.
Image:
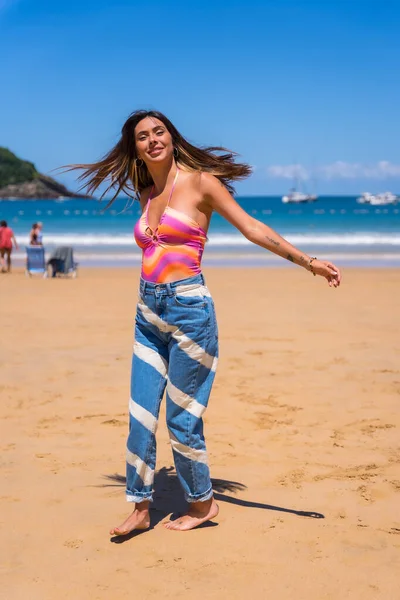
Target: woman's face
[(153, 140)]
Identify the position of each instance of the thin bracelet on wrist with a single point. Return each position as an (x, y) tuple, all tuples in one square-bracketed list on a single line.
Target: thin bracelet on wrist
[(310, 265)]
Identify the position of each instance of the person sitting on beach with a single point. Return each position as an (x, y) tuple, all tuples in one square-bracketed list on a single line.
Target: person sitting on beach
[(179, 186), (34, 240), (35, 235), (7, 239)]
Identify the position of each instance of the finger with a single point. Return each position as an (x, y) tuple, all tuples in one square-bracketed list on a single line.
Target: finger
[(332, 282), (337, 271), (336, 275)]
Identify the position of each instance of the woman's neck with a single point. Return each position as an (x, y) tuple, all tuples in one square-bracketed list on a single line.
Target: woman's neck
[(161, 175)]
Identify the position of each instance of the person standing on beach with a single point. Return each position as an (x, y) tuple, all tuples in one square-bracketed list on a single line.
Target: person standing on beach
[(179, 186), (7, 239)]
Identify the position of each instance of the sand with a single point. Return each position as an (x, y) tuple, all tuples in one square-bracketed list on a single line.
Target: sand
[(302, 432)]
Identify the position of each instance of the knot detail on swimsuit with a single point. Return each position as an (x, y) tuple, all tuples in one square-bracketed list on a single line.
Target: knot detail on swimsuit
[(176, 245)]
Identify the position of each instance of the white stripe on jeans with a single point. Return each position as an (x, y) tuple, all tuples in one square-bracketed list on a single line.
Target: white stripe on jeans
[(186, 451), (185, 401), (145, 473)]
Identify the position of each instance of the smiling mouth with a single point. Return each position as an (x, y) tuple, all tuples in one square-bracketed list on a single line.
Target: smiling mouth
[(155, 151)]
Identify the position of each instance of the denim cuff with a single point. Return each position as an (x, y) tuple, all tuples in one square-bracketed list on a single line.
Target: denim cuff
[(199, 497), (137, 498)]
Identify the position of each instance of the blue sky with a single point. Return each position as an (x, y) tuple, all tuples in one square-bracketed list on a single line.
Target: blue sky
[(292, 86)]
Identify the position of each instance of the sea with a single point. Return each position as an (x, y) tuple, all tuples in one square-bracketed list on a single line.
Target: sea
[(334, 228)]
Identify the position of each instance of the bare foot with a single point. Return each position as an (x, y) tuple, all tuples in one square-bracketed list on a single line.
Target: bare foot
[(139, 519), (198, 513)]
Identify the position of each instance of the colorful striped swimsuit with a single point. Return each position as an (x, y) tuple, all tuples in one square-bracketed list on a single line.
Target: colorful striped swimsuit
[(176, 245)]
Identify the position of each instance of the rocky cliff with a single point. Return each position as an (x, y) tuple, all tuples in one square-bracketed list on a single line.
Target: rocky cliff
[(20, 179)]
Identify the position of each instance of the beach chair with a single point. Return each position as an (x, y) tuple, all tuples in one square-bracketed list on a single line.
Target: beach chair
[(35, 261), (62, 262)]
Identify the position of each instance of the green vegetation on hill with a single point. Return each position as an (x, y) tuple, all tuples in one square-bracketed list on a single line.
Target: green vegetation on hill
[(14, 170)]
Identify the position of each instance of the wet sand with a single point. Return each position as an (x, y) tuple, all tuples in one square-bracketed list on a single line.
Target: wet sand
[(302, 432)]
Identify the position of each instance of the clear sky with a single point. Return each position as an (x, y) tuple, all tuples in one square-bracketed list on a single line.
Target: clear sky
[(293, 86)]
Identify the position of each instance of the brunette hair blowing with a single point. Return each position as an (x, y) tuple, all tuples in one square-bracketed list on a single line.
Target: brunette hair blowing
[(120, 168)]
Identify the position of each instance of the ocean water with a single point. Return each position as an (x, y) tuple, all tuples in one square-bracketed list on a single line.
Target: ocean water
[(335, 228)]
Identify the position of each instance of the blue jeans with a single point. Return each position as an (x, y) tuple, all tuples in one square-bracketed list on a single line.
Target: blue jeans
[(176, 347)]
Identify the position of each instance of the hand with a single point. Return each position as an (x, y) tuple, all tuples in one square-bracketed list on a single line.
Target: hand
[(328, 270)]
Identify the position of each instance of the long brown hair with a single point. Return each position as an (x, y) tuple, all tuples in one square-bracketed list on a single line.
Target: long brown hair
[(119, 166)]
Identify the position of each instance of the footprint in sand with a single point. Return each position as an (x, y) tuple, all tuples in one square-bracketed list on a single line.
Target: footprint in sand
[(371, 428), (362, 472), (114, 422), (82, 417), (294, 478), (364, 493), (8, 447), (268, 421), (73, 543), (9, 499), (48, 422), (340, 360)]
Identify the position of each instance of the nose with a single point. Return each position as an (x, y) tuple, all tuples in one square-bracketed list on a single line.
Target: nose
[(152, 140)]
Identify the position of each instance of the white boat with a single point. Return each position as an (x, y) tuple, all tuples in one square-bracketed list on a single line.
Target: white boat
[(297, 197), (377, 199)]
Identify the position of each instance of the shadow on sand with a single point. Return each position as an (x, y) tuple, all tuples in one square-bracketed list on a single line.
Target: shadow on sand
[(168, 498)]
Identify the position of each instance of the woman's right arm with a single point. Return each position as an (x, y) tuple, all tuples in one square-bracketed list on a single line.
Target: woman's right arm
[(257, 232)]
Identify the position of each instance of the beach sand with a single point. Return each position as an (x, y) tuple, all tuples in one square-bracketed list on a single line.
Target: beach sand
[(302, 431)]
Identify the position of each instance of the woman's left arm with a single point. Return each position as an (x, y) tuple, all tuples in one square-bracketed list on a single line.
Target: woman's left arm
[(219, 199)]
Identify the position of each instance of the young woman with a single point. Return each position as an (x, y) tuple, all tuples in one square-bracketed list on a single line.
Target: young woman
[(176, 342)]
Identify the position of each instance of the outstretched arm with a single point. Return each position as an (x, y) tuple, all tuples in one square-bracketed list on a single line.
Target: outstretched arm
[(220, 200)]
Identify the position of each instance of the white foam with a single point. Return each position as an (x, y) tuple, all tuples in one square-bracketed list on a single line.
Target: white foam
[(317, 239), (225, 239)]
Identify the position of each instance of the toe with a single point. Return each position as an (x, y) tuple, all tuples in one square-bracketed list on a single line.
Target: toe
[(119, 531)]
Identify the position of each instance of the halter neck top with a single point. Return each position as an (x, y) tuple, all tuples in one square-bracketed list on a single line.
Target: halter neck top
[(175, 246)]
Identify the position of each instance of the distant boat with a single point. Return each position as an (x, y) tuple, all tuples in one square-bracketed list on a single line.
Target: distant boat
[(377, 199), (297, 197)]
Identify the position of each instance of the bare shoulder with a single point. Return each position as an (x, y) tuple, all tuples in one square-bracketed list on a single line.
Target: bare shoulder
[(213, 191), (191, 184), (200, 180), (205, 190), (210, 184), (191, 178)]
